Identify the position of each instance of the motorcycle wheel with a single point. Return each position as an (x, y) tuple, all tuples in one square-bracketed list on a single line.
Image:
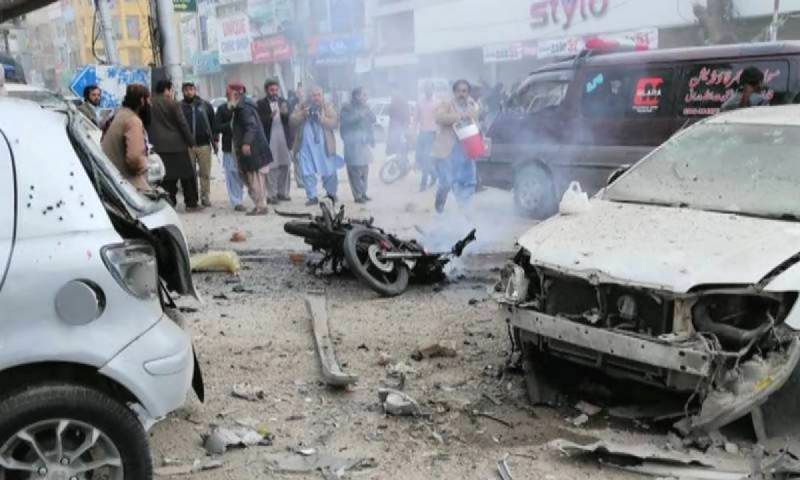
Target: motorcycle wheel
[(389, 279), (393, 170)]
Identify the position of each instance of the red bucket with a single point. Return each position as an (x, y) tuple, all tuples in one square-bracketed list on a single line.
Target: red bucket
[(471, 140)]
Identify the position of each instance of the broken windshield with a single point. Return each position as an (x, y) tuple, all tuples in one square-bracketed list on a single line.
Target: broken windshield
[(739, 168)]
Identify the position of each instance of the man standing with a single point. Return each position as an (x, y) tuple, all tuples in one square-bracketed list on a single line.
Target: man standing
[(125, 140), (233, 182), (358, 123), (426, 125), (250, 145), (315, 144), (171, 139), (273, 111), (454, 169), (91, 100), (199, 115)]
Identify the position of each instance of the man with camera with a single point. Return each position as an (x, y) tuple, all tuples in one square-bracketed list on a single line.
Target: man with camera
[(315, 144)]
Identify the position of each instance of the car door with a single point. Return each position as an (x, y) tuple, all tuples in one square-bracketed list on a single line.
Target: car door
[(8, 207)]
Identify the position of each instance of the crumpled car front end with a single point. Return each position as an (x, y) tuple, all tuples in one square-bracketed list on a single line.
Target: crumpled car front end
[(727, 347)]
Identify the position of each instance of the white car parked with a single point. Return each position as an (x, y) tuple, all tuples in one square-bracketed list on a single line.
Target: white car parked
[(682, 274), (91, 349)]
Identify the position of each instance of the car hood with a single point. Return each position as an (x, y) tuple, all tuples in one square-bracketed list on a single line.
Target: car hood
[(664, 248)]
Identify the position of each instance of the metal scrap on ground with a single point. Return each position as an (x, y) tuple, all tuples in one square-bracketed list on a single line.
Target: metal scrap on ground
[(332, 373)]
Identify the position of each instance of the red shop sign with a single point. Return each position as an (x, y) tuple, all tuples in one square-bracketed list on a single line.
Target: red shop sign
[(270, 49)]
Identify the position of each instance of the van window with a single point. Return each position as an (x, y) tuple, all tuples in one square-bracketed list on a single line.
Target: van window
[(538, 96), (617, 92), (706, 86)]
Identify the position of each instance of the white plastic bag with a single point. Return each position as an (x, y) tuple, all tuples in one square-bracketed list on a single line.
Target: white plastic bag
[(574, 201)]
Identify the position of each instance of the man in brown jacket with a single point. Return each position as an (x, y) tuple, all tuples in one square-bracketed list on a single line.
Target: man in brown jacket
[(453, 168), (315, 144), (171, 139), (124, 142)]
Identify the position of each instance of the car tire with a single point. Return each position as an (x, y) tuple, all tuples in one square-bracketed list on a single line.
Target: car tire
[(534, 195), (81, 414)]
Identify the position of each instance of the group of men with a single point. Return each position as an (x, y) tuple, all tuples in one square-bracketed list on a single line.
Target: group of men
[(261, 141)]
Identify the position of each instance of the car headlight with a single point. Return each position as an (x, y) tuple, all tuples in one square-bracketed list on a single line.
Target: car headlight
[(134, 266), (516, 284), (155, 168)]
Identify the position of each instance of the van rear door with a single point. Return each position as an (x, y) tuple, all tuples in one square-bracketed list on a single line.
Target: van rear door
[(8, 207)]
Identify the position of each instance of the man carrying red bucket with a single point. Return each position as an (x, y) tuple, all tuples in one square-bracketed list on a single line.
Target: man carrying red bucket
[(457, 145)]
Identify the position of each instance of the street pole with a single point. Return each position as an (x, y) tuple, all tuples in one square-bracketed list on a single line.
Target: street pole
[(170, 56), (773, 28), (108, 31)]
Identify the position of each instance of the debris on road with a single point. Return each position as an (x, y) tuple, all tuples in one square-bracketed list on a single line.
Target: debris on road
[(245, 391), (580, 420), (398, 403), (332, 373), (238, 237), (216, 261), (587, 408), (384, 359), (492, 417), (329, 466), (437, 350), (503, 470), (220, 439)]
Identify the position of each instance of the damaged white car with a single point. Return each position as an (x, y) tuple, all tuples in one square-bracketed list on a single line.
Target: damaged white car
[(682, 274)]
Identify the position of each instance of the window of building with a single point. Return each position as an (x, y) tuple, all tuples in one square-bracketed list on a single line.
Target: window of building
[(116, 27), (132, 26)]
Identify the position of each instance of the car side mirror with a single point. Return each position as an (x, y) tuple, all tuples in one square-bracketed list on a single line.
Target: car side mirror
[(617, 173)]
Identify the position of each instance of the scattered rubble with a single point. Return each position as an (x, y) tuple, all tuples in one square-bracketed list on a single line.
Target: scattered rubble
[(238, 237), (398, 403), (580, 420), (220, 439), (587, 408), (384, 359), (332, 373), (313, 460), (436, 350), (503, 470), (245, 391)]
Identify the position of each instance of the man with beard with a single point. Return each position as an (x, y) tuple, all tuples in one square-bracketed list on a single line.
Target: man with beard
[(91, 100), (172, 139), (250, 145), (273, 111), (358, 135), (125, 140), (200, 116)]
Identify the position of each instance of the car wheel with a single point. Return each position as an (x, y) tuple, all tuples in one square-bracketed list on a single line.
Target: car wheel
[(533, 192), (63, 431)]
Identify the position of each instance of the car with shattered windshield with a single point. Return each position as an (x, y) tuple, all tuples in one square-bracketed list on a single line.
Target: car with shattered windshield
[(682, 274), (92, 348)]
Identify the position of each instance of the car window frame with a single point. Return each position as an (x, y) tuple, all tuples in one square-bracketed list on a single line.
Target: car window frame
[(666, 110)]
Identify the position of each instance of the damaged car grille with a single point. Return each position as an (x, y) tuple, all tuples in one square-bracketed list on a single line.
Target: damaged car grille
[(609, 306)]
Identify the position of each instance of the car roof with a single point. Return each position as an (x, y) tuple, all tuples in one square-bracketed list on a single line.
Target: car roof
[(777, 115), (17, 115), (24, 87), (738, 52)]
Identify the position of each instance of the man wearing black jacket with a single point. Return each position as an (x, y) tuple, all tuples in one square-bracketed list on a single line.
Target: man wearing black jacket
[(233, 182), (201, 120), (273, 110)]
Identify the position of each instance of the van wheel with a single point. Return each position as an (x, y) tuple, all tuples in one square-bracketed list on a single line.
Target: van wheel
[(63, 431), (533, 192)]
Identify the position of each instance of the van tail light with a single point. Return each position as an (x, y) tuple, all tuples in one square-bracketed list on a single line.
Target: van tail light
[(134, 266)]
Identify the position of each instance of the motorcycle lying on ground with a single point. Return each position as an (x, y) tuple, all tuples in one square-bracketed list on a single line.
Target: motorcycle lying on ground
[(395, 168), (384, 262)]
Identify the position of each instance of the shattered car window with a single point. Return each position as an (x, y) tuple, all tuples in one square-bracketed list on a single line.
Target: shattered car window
[(727, 167), (540, 96)]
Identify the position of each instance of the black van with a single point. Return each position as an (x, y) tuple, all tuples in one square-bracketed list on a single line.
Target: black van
[(582, 119)]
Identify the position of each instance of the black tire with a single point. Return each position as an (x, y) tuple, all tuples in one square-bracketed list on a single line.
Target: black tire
[(388, 284), (307, 230), (534, 192), (393, 170), (83, 405)]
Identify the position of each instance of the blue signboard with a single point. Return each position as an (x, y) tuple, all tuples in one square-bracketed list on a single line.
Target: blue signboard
[(338, 48), (113, 81)]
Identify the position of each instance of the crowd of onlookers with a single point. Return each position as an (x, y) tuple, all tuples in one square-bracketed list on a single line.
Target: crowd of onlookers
[(265, 143)]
